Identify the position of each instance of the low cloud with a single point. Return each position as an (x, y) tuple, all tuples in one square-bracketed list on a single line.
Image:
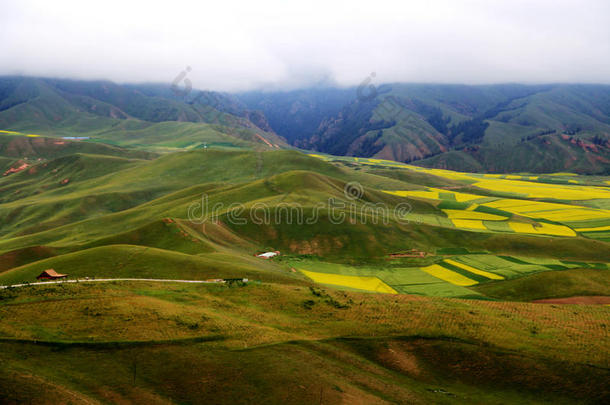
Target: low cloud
[(243, 45)]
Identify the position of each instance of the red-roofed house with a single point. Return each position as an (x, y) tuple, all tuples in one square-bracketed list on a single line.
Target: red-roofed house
[(50, 274)]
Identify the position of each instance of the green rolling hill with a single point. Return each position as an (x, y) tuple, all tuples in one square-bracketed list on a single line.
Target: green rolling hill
[(123, 115), (395, 283)]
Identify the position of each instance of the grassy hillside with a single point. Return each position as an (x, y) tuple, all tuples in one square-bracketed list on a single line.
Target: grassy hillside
[(123, 115), (131, 261), (395, 283), (276, 342), (551, 284), (34, 147)]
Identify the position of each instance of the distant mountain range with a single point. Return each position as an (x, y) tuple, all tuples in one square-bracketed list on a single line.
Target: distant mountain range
[(491, 128), (148, 116), (495, 128)]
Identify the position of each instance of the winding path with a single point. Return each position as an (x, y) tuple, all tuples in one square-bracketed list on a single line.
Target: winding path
[(91, 280)]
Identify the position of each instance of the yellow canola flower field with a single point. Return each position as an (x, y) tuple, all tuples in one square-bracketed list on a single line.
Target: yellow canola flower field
[(576, 214), (469, 224), (318, 156), (433, 194), (460, 197), (521, 206), (543, 190), (372, 284), (468, 219), (542, 229), (550, 211), (471, 269), (2, 131), (512, 184), (448, 275), (467, 214)]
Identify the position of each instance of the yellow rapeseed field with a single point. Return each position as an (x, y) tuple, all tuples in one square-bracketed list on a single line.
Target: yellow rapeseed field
[(467, 214), (543, 190), (461, 197), (372, 284), (550, 211), (3, 131), (512, 184), (318, 156), (542, 228), (518, 184), (469, 224), (448, 275), (432, 195), (471, 269)]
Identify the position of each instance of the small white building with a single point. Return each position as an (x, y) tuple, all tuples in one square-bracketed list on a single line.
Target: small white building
[(268, 255)]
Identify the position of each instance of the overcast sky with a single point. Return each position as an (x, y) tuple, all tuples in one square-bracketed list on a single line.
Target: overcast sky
[(242, 45)]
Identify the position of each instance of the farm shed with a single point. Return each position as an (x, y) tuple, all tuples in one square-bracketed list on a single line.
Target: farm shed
[(50, 274)]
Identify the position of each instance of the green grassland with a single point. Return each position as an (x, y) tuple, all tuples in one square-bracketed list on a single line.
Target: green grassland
[(113, 201), (126, 212), (551, 284), (117, 115), (287, 342)]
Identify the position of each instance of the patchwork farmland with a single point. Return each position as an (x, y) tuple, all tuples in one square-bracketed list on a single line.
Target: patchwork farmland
[(561, 205)]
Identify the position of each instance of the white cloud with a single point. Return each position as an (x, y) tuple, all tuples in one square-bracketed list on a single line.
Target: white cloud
[(237, 45)]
